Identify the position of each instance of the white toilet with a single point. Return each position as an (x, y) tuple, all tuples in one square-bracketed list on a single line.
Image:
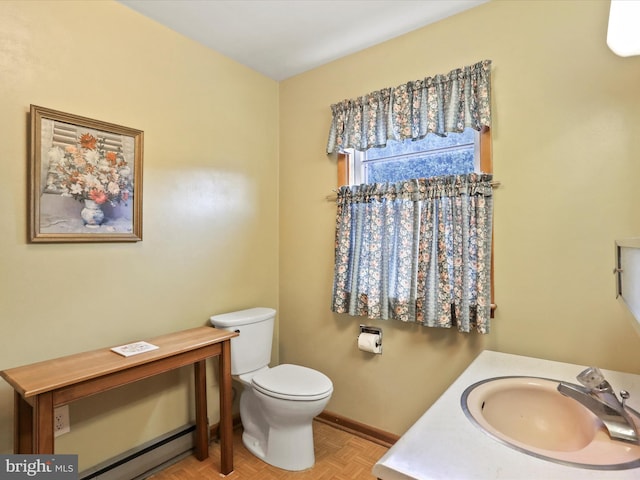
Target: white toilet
[(277, 404)]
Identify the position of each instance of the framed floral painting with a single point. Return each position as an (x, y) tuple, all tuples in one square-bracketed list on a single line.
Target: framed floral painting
[(85, 179)]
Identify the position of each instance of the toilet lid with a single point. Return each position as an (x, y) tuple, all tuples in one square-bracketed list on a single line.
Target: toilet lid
[(293, 382)]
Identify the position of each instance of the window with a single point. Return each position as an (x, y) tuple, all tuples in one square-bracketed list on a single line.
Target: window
[(470, 151), (431, 156), (457, 153), (414, 224)]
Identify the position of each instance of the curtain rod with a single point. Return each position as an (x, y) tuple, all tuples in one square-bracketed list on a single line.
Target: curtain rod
[(334, 197)]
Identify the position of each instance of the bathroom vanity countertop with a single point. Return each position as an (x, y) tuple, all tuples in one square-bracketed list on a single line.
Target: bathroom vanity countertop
[(445, 444)]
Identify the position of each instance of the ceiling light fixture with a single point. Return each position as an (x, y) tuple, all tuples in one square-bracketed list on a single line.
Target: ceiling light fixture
[(623, 35)]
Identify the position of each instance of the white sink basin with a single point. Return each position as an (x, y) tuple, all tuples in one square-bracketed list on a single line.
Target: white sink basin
[(530, 415)]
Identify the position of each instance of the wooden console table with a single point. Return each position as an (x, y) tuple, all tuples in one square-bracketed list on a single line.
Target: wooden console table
[(40, 387)]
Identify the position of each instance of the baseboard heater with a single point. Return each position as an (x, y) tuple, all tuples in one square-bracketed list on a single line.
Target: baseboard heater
[(146, 459)]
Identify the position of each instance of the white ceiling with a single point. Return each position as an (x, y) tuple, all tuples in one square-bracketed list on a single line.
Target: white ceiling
[(282, 38)]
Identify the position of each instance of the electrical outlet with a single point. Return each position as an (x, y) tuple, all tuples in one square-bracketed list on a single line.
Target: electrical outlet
[(61, 423)]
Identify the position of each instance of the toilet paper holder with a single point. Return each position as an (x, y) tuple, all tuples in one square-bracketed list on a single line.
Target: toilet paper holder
[(374, 330)]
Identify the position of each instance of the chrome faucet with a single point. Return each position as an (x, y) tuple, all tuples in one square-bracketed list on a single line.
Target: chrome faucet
[(598, 396)]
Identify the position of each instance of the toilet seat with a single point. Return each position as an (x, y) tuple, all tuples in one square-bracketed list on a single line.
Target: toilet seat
[(293, 382)]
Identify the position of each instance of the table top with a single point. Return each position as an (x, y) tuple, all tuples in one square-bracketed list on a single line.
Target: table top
[(48, 375)]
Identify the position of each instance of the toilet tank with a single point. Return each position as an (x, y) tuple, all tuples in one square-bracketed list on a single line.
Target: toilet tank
[(251, 349)]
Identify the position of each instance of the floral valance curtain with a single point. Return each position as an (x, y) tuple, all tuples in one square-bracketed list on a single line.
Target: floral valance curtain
[(417, 251), (440, 104)]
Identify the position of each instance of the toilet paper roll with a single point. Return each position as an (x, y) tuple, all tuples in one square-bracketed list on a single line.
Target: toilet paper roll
[(369, 342)]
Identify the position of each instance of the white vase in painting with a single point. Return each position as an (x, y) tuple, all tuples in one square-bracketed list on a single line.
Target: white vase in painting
[(92, 214)]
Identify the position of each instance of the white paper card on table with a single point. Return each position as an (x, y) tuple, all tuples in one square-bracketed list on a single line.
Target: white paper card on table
[(134, 348)]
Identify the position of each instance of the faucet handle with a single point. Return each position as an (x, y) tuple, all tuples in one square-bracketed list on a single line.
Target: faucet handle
[(592, 377)]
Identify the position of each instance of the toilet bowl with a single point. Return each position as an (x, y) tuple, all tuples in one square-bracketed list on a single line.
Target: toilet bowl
[(278, 404)]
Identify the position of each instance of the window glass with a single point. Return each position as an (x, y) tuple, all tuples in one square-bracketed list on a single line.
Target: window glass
[(457, 153)]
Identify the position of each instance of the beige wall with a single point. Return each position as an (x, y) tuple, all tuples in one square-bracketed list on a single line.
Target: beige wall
[(565, 118), (210, 206), (566, 122)]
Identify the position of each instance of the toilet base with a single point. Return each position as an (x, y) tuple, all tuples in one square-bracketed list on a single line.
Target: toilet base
[(289, 450)]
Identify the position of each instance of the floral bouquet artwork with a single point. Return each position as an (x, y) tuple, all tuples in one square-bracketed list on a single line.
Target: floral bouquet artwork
[(91, 174), (85, 179)]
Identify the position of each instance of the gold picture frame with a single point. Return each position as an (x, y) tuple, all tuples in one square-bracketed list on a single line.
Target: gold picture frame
[(85, 179)]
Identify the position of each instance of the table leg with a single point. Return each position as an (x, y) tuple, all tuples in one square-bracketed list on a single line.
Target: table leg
[(22, 425), (226, 421), (43, 419), (202, 426)]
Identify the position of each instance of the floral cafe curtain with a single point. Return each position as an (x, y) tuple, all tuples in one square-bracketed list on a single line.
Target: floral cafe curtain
[(417, 251), (440, 104)]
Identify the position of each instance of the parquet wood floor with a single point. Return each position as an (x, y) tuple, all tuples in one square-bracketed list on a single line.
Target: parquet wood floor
[(339, 456)]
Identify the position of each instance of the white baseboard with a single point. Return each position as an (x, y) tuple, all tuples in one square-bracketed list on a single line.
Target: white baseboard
[(146, 459)]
